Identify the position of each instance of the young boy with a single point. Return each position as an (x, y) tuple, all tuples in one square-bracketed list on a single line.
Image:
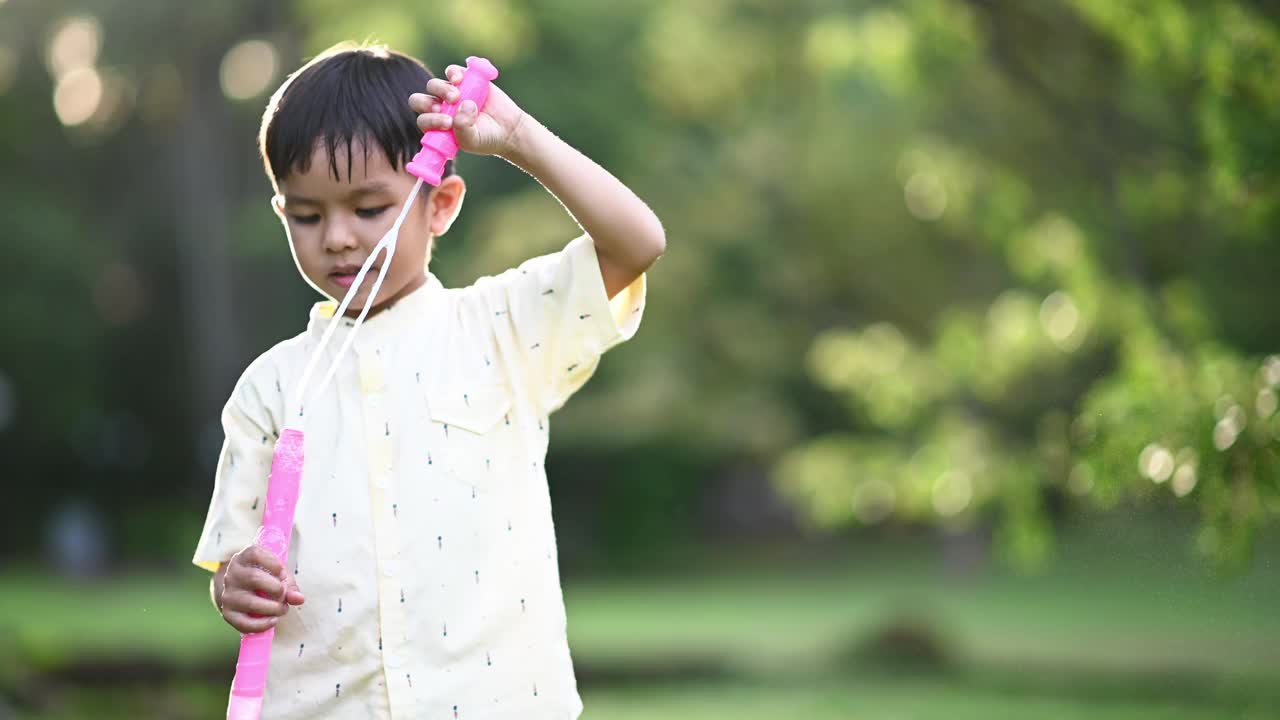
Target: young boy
[(423, 537)]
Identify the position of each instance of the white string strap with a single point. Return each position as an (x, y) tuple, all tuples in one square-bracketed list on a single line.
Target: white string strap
[(388, 243)]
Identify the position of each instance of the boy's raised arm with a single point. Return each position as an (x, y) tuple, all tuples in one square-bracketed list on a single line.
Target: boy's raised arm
[(628, 236)]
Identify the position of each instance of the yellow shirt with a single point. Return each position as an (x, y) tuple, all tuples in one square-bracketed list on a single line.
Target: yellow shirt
[(423, 538)]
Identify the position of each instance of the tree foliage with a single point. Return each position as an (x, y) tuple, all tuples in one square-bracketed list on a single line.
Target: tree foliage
[(937, 261)]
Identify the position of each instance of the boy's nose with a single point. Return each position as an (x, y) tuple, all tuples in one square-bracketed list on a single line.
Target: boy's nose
[(339, 237)]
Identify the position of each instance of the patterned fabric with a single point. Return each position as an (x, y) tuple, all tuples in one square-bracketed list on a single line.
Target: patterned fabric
[(423, 538)]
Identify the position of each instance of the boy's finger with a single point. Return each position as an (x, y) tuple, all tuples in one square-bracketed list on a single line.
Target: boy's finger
[(254, 604), (467, 114), (442, 89), (423, 103), (291, 584), (257, 580), (262, 557), (249, 625), (292, 594), (454, 73), (434, 121)]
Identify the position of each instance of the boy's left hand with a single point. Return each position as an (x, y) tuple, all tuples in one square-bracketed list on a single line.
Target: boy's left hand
[(493, 131)]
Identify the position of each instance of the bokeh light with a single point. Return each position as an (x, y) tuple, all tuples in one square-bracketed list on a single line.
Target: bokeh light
[(925, 196), (77, 96), (74, 45), (1271, 370), (1265, 403), (1156, 462), (1060, 318), (1184, 480), (1185, 477), (952, 492), (248, 69), (1224, 434)]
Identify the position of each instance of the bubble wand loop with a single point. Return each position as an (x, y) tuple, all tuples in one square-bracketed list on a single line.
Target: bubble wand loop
[(283, 484)]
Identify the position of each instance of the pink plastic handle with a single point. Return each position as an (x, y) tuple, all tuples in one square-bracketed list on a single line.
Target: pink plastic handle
[(440, 146), (250, 682)]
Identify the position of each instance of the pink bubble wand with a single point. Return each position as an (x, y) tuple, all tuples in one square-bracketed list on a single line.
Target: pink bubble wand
[(285, 480)]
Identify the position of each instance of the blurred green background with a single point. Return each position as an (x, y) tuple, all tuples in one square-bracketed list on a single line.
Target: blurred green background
[(955, 396)]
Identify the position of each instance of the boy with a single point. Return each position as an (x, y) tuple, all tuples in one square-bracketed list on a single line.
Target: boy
[(423, 536)]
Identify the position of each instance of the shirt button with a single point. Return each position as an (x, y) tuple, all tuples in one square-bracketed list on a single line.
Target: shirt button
[(381, 482), (389, 568)]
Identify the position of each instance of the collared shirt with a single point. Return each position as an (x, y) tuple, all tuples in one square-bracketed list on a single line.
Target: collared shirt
[(423, 537)]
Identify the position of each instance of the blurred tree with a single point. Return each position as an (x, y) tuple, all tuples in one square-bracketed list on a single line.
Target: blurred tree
[(936, 260), (1105, 168)]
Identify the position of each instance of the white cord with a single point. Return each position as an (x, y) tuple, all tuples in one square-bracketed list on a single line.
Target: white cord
[(387, 242)]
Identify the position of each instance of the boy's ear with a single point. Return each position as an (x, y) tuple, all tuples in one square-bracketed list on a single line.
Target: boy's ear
[(277, 204), (444, 203)]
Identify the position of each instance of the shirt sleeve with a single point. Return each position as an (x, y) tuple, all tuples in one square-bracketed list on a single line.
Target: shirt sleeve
[(240, 483), (561, 319)]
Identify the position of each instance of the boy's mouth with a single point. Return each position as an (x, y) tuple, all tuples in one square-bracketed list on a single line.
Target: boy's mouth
[(345, 275)]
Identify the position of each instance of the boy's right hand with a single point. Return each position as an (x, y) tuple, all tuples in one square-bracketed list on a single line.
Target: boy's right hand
[(251, 571)]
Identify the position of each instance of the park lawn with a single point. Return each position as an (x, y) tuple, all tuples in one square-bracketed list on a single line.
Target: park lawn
[(824, 698), (1121, 626), (1121, 596), (772, 616), (48, 622), (899, 699)]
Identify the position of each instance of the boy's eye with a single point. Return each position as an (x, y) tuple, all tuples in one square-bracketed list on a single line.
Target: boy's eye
[(371, 212), (306, 219)]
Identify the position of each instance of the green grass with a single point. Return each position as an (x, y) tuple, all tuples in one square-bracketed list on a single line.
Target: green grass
[(1122, 626), (1120, 598), (892, 699), (874, 698), (48, 622)]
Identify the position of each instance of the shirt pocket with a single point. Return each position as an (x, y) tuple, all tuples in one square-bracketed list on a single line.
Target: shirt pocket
[(467, 422)]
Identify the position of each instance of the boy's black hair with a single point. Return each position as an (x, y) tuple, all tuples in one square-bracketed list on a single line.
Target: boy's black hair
[(347, 93)]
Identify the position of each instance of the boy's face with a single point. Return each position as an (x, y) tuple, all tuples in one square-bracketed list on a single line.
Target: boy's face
[(333, 225)]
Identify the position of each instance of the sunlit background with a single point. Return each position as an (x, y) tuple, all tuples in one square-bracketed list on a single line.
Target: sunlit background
[(956, 395)]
